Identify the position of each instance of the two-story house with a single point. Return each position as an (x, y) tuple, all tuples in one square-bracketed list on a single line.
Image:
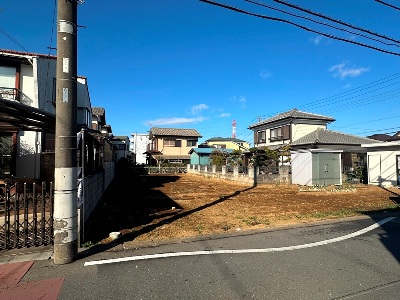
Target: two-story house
[(99, 121), (228, 143), (287, 127), (27, 96), (139, 142), (171, 145), (121, 147)]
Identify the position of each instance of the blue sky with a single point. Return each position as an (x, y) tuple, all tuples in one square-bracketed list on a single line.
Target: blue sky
[(189, 64)]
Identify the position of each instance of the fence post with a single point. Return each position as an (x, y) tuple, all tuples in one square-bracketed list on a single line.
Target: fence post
[(214, 169), (235, 171), (223, 170), (284, 174)]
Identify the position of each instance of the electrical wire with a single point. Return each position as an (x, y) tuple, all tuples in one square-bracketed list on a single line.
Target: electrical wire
[(355, 90), (320, 23), (299, 26), (388, 4), (335, 20), (11, 38), (50, 48)]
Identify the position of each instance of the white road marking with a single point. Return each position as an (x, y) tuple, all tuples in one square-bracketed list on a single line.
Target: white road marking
[(266, 250)]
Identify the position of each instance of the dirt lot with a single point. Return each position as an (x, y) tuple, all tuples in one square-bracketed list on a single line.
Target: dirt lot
[(157, 207)]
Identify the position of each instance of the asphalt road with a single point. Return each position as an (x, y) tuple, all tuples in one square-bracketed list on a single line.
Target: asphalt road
[(364, 265)]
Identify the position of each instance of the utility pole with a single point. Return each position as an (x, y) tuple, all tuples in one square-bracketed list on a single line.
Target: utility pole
[(65, 194)]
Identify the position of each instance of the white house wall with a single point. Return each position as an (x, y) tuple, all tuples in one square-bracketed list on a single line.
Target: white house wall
[(27, 81), (84, 115), (382, 167), (139, 147)]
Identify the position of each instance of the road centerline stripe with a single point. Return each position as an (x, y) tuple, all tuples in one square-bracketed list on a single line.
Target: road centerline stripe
[(241, 251)]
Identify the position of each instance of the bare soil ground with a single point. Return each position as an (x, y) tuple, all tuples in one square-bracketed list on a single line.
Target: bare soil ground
[(158, 207)]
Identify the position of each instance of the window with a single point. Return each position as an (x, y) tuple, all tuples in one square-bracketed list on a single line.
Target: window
[(280, 133), (191, 143), (169, 143), (121, 147), (7, 83), (260, 137), (6, 145), (276, 134), (172, 143)]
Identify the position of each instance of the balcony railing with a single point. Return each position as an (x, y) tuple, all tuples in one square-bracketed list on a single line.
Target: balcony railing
[(276, 138), (15, 95)]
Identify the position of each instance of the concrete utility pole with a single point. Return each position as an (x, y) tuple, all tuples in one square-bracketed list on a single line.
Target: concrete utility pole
[(65, 194)]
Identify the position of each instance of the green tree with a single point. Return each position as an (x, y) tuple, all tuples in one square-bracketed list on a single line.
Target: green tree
[(218, 157), (235, 158), (263, 156)]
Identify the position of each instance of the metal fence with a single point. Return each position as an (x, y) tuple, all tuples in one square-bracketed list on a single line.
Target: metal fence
[(26, 215)]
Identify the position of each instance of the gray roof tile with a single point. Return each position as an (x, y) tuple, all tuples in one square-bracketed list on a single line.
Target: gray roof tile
[(221, 139), (98, 111), (325, 136), (294, 113)]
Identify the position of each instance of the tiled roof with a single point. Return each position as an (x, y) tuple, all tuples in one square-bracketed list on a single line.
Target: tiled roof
[(395, 137), (5, 51), (380, 137), (120, 138), (172, 156), (98, 111), (221, 139), (209, 150), (156, 131), (295, 114), (325, 136)]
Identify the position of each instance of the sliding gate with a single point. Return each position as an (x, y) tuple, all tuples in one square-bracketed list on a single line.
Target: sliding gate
[(26, 215)]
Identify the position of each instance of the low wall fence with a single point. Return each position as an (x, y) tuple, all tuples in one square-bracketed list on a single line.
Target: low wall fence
[(90, 192), (243, 174)]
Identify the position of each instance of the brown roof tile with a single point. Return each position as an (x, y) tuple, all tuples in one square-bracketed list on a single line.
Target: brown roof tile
[(156, 131)]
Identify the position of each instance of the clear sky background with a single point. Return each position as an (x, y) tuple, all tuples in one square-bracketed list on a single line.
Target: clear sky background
[(189, 64)]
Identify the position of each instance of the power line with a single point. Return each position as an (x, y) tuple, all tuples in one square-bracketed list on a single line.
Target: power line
[(365, 122), (299, 26), (355, 90), (321, 23), (388, 4), (11, 38), (50, 48), (379, 130), (335, 20)]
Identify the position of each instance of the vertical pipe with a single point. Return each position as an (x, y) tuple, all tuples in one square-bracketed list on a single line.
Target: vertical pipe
[(65, 194)]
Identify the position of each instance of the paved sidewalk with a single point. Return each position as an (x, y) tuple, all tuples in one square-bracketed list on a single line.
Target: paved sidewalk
[(26, 254), (11, 287)]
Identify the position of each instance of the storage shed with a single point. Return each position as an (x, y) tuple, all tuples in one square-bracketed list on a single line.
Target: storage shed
[(200, 156), (383, 161), (316, 166)]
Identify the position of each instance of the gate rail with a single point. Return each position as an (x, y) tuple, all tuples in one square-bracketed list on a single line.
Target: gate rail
[(26, 215)]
